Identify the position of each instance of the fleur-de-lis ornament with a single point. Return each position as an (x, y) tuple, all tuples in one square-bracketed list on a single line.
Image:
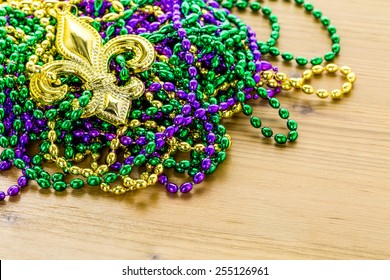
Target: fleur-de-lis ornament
[(85, 57)]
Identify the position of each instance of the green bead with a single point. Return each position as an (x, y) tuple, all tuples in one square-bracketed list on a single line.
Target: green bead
[(308, 6), (150, 147), (292, 125), (59, 186), (84, 100), (124, 74), (255, 122), (266, 11), (58, 177), (287, 56), (302, 61), (325, 21), (110, 177), (332, 29), (76, 183), (274, 103), (20, 164), (280, 138), (299, 2), (66, 125), (51, 114), (69, 152), (316, 60), (8, 154), (284, 113), (185, 164), (292, 136), (274, 51), (139, 159), (125, 170), (255, 6), (329, 56), (336, 48), (31, 173), (262, 92), (267, 132), (317, 13), (43, 183), (247, 109), (37, 160), (4, 142), (241, 4), (273, 18), (65, 106), (76, 114), (335, 39), (264, 49), (38, 114), (93, 180), (241, 96), (169, 163), (225, 143)]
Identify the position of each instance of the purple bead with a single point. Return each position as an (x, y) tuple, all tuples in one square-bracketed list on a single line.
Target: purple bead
[(5, 165), (198, 178), (23, 140), (200, 113), (160, 143), (211, 138), (187, 121), (265, 65), (13, 190), (163, 179), (182, 32), (22, 181), (208, 126), (2, 195), (169, 86), (129, 160), (169, 131), (172, 188), (178, 120), (126, 140), (213, 108), (186, 109), (116, 166), (110, 136), (189, 58), (191, 97), (186, 44), (94, 133), (210, 150), (182, 94), (206, 163), (78, 133), (193, 84), (186, 187), (155, 87), (192, 71), (223, 106)]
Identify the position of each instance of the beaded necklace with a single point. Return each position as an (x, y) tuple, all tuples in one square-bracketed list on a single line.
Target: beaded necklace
[(125, 85)]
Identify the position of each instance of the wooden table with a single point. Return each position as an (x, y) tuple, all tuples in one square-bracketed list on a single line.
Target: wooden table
[(325, 197)]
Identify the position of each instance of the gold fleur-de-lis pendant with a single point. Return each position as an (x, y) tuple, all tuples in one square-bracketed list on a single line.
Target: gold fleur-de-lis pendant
[(85, 57)]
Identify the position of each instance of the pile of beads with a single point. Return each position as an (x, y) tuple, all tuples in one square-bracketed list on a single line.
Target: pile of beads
[(208, 66)]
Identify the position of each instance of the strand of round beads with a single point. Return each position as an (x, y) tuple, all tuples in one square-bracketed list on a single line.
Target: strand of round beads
[(269, 46)]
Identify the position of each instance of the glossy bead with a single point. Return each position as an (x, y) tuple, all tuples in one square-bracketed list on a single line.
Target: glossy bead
[(336, 94), (186, 187), (284, 113), (280, 138), (292, 125), (346, 87), (59, 186), (318, 69), (322, 93), (93, 180), (316, 60), (331, 68), (267, 132), (301, 60), (307, 89), (255, 122), (274, 103), (345, 70), (76, 183), (351, 77), (13, 190), (329, 56), (43, 183), (292, 136)]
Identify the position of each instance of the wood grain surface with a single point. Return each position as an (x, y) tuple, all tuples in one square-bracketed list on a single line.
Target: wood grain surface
[(325, 197)]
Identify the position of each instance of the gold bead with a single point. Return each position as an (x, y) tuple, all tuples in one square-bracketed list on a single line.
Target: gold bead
[(44, 21), (121, 130), (110, 17), (52, 136), (46, 44), (149, 96), (322, 93), (86, 172), (75, 170), (95, 156), (272, 83), (237, 108), (307, 75), (34, 58), (296, 82), (281, 77), (135, 123), (104, 187), (48, 157), (50, 36), (53, 150), (61, 163), (78, 157), (308, 89), (172, 141), (331, 68), (150, 124), (318, 69), (351, 77), (157, 103), (159, 169), (102, 169), (227, 114), (117, 6), (199, 148), (267, 75), (39, 51), (94, 165), (346, 87), (144, 176), (140, 184), (128, 182), (161, 128), (217, 147), (114, 144), (152, 179), (118, 190), (336, 94), (184, 147), (345, 70), (111, 158), (286, 86)]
